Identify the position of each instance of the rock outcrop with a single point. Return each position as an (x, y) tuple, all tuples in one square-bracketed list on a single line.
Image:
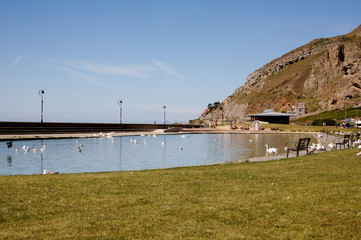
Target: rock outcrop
[(325, 74)]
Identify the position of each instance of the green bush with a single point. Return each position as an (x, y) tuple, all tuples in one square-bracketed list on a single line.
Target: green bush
[(328, 121)]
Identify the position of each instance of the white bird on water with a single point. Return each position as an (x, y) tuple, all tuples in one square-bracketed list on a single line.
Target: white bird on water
[(271, 150), (79, 148), (26, 148)]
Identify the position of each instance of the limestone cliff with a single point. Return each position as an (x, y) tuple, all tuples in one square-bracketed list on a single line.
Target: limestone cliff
[(325, 74)]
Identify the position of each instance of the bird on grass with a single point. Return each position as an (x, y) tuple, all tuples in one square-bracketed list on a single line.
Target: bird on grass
[(49, 172), (332, 146), (312, 149), (356, 143)]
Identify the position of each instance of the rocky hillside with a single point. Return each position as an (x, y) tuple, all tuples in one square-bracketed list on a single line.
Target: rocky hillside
[(325, 74)]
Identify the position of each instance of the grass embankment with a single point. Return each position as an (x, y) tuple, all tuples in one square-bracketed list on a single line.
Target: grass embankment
[(311, 197), (338, 115)]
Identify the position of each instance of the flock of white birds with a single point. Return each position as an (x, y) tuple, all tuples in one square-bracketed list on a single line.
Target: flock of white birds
[(319, 146), (269, 150)]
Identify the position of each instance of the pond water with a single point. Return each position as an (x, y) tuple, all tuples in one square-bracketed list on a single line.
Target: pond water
[(135, 152)]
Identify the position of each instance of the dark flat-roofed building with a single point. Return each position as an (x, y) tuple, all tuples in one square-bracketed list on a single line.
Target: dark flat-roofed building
[(271, 116)]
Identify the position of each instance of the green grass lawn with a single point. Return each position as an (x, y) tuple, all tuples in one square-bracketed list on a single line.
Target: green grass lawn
[(300, 128), (311, 197)]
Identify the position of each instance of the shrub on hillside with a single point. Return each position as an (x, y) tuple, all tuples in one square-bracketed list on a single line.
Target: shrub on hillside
[(327, 121)]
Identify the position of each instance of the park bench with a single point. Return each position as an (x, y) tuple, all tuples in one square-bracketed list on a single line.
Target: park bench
[(355, 137), (302, 144), (343, 141)]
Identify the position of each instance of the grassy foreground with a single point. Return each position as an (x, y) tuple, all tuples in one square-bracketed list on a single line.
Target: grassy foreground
[(311, 197)]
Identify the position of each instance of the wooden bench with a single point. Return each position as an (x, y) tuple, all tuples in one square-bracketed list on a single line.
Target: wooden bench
[(302, 144), (344, 141)]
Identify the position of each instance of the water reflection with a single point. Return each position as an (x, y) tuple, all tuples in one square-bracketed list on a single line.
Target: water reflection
[(120, 152), (9, 160), (136, 152)]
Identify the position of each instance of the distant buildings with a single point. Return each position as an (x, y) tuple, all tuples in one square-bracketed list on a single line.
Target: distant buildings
[(299, 109), (271, 116)]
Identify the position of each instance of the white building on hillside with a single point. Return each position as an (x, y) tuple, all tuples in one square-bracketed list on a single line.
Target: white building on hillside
[(300, 109)]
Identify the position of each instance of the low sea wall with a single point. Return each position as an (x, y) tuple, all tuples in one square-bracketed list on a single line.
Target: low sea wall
[(62, 127)]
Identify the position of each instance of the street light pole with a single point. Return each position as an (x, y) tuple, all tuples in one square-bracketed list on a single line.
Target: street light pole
[(41, 93), (164, 107), (120, 111)]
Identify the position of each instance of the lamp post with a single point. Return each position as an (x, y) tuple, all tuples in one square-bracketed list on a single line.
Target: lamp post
[(41, 93), (120, 111), (164, 107)]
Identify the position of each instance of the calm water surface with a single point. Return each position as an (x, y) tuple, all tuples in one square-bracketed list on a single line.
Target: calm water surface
[(123, 154)]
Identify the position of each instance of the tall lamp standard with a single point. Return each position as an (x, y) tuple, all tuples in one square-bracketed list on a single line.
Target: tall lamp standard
[(41, 93), (164, 107), (120, 111)]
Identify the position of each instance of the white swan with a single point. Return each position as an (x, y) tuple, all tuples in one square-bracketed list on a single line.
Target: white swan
[(271, 150), (320, 147), (357, 142), (49, 172), (332, 146), (312, 148)]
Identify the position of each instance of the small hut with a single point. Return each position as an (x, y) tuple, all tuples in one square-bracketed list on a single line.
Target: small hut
[(271, 116)]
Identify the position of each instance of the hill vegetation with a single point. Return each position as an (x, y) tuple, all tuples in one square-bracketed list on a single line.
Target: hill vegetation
[(339, 115), (325, 74)]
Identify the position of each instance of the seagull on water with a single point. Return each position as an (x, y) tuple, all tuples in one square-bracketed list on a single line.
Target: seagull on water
[(79, 148)]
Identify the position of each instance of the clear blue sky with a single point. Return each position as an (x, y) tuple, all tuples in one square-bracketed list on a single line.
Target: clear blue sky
[(183, 54)]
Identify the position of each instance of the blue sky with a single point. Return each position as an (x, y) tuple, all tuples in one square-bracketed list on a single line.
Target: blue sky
[(86, 55)]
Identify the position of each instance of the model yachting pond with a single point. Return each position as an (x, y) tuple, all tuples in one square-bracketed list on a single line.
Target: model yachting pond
[(134, 152)]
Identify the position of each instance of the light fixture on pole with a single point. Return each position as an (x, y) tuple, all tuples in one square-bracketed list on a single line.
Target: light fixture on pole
[(164, 107), (120, 111), (41, 93)]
